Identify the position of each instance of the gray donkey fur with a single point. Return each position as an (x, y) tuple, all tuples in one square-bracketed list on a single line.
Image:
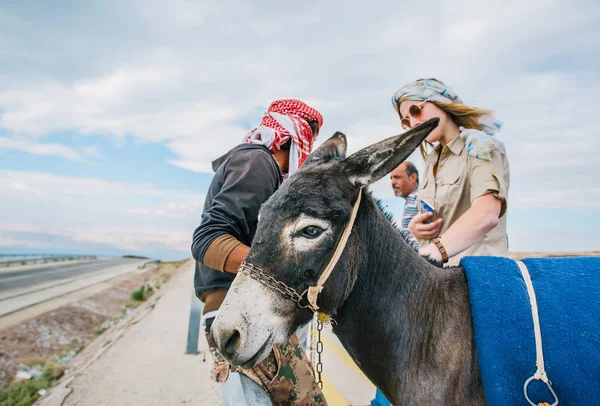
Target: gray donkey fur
[(405, 321)]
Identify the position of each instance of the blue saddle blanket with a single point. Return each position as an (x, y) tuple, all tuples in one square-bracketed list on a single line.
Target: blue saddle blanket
[(568, 299)]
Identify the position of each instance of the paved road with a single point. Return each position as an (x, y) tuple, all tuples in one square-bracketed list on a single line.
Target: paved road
[(31, 291), (23, 278)]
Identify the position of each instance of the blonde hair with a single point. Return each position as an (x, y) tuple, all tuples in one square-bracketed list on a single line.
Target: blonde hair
[(461, 114)]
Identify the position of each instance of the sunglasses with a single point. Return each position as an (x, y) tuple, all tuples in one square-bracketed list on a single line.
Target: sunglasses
[(414, 111)]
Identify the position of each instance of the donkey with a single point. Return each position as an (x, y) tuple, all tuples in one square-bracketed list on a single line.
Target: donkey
[(405, 321)]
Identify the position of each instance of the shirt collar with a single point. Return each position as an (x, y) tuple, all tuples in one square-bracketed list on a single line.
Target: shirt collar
[(455, 146), (432, 156)]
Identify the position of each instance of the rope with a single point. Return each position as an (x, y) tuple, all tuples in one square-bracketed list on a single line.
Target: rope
[(540, 373)]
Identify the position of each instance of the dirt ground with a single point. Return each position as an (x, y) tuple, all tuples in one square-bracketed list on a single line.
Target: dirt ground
[(65, 331)]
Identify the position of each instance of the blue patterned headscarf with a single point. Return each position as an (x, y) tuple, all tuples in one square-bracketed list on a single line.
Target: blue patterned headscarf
[(479, 143)]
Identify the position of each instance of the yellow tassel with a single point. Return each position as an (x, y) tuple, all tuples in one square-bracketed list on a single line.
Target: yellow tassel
[(324, 318)]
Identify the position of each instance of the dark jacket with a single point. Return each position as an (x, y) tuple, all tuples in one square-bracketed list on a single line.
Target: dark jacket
[(244, 179)]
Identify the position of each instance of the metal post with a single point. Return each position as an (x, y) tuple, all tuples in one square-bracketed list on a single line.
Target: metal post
[(194, 324)]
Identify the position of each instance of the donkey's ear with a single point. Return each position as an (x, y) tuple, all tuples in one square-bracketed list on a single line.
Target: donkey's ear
[(372, 163), (335, 147)]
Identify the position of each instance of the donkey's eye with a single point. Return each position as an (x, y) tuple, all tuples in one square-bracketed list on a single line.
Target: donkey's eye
[(312, 231)]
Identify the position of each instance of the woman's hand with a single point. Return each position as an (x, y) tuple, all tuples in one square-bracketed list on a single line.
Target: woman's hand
[(422, 230), (432, 252)]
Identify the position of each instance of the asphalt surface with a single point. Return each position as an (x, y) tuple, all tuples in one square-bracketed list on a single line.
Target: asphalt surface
[(33, 290), (24, 278)]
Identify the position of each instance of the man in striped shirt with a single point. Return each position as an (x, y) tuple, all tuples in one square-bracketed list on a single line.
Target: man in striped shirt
[(405, 182)]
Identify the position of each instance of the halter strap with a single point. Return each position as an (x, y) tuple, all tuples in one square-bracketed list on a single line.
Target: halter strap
[(313, 291)]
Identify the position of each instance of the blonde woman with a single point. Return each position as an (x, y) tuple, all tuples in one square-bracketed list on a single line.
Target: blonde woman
[(466, 174)]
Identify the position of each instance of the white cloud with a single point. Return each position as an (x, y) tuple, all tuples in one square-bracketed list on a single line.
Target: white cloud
[(136, 238), (584, 200), (191, 92), (38, 148), (92, 152), (47, 185), (126, 215), (191, 165), (170, 210), (7, 241)]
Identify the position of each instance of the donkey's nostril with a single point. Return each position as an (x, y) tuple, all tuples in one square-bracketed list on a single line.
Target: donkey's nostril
[(233, 343)]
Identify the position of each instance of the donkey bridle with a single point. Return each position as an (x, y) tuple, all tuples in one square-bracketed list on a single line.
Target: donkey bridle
[(258, 274), (312, 292)]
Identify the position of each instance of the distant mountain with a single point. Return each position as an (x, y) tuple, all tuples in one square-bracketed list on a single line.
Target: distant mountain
[(44, 243)]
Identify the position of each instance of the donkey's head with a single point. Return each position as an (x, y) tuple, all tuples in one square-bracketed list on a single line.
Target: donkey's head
[(298, 230)]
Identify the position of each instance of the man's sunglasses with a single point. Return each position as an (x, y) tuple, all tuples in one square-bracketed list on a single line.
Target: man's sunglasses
[(414, 111)]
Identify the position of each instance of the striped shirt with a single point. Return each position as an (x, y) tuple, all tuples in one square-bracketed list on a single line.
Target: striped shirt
[(410, 210)]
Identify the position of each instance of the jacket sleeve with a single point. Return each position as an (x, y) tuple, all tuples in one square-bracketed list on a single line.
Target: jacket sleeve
[(249, 178)]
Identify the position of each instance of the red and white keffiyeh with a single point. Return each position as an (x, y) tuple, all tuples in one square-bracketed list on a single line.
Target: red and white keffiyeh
[(284, 120)]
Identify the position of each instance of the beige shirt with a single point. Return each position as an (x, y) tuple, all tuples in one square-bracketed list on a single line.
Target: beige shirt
[(461, 178)]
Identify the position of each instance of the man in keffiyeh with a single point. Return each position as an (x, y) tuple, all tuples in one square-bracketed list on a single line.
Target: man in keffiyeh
[(244, 179), (290, 124)]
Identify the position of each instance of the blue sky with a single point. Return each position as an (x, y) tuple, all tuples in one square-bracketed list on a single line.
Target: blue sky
[(110, 114)]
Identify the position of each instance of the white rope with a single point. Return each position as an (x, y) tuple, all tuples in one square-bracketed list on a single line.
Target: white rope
[(540, 373)]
